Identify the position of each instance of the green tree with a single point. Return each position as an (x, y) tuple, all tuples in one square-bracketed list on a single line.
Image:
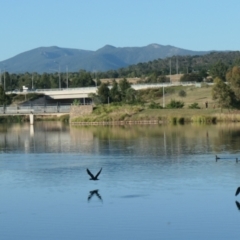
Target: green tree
[(203, 73), (115, 93), (104, 93), (131, 95), (4, 99), (219, 70), (95, 98), (222, 93), (54, 81), (44, 81), (97, 82), (233, 77), (191, 77), (123, 86), (83, 79)]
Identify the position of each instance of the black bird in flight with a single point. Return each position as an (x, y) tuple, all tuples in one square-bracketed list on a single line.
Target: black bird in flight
[(92, 176), (94, 192), (238, 191)]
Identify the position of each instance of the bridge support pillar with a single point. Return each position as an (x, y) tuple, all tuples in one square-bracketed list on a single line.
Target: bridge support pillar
[(31, 118)]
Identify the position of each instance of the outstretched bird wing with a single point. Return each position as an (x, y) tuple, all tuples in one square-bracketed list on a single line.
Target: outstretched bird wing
[(238, 191), (89, 173), (238, 205), (98, 173), (90, 196), (99, 196)]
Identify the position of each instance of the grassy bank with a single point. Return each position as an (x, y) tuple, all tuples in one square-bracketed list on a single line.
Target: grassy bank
[(127, 113), (199, 95)]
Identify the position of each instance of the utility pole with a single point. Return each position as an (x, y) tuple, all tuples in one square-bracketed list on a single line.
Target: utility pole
[(170, 69), (67, 75), (4, 80), (32, 81), (59, 76), (177, 65), (163, 98), (170, 64)]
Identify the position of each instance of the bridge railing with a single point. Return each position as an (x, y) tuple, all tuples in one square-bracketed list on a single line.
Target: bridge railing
[(66, 89), (36, 109), (87, 90)]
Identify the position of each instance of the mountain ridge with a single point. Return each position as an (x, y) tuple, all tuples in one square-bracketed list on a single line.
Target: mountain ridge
[(54, 58)]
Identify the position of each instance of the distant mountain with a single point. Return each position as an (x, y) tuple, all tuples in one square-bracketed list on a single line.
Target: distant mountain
[(51, 59)]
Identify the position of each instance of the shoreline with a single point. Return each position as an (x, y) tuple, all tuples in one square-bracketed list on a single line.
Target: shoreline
[(111, 123)]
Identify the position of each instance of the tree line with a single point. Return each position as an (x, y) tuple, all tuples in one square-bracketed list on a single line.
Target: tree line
[(119, 92), (14, 81)]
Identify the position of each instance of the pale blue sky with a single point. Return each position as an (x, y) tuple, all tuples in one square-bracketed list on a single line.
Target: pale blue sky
[(91, 24)]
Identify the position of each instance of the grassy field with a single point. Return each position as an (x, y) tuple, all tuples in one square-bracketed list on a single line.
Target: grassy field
[(199, 95)]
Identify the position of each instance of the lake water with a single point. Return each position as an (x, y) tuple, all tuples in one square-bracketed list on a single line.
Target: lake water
[(157, 182)]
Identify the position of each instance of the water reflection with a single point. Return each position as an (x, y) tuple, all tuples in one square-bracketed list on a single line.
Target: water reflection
[(31, 130), (237, 191), (238, 205), (56, 137), (94, 193), (146, 168)]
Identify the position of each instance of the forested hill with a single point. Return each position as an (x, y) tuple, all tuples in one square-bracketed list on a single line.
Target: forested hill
[(52, 59), (176, 64)]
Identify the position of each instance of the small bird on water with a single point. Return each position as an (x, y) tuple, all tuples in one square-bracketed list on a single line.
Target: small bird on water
[(238, 191), (92, 176)]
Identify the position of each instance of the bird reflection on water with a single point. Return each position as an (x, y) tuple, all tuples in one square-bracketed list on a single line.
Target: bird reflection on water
[(238, 205), (237, 191), (96, 193)]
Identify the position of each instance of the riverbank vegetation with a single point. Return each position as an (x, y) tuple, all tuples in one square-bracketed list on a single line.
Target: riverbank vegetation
[(142, 114), (220, 102)]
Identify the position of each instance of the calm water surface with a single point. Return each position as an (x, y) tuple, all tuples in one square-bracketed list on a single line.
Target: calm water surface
[(157, 182)]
